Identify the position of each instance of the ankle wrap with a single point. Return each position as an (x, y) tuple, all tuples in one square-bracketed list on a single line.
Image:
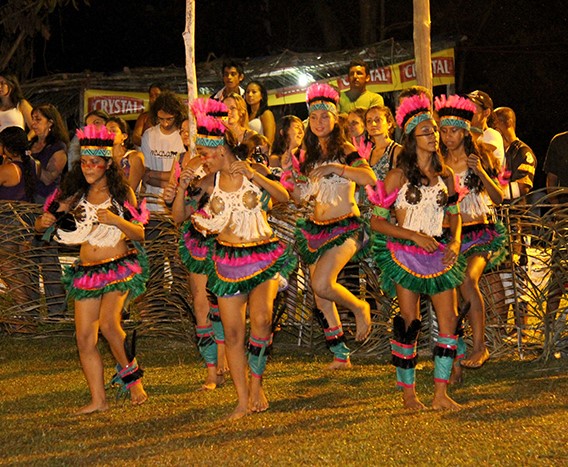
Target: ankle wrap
[(258, 351), (215, 318), (335, 341), (444, 354), (404, 346), (126, 377), (206, 344)]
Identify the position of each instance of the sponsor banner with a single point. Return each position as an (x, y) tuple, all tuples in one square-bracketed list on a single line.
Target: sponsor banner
[(128, 105), (385, 79), (125, 104)]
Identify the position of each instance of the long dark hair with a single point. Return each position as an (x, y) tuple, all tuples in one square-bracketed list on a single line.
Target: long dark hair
[(16, 94), (125, 130), (75, 185), (488, 162), (15, 140), (240, 150), (281, 140), (58, 130), (407, 161), (314, 153), (263, 102)]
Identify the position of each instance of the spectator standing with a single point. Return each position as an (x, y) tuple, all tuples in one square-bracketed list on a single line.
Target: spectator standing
[(237, 120), (356, 126), (129, 159), (14, 109), (261, 118), (357, 95), (143, 122), (480, 124), (380, 126), (160, 146), (289, 136), (233, 76)]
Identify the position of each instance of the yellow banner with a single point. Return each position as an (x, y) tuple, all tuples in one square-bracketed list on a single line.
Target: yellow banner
[(385, 79)]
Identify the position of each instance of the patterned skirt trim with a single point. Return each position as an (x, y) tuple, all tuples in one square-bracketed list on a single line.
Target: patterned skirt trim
[(194, 248)]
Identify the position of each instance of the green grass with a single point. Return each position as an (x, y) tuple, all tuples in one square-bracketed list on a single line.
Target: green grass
[(515, 413)]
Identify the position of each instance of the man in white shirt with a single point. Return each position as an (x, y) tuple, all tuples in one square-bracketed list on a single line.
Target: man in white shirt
[(479, 127), (161, 144), (233, 75)]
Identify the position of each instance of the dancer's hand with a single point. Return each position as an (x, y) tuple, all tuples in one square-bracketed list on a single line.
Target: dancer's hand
[(451, 253), (186, 177), (327, 169), (474, 163), (427, 242), (45, 221), (243, 168), (106, 216)]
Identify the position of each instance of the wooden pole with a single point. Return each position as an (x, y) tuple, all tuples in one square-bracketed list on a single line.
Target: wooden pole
[(189, 41), (422, 52)]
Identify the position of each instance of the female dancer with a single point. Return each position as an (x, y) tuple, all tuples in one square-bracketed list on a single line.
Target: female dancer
[(416, 254), (108, 271), (261, 118), (247, 260), (483, 242), (194, 247), (328, 240), (380, 126), (124, 154)]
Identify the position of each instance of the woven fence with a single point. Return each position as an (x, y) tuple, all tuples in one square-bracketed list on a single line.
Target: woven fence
[(525, 299)]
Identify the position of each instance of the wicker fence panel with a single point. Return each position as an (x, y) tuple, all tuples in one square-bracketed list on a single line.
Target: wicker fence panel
[(525, 303)]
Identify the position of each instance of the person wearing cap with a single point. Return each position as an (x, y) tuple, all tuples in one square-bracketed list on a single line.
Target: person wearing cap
[(357, 94), (329, 172), (416, 254), (480, 127), (101, 217), (483, 243)]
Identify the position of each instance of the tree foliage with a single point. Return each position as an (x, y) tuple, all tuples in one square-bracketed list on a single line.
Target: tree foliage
[(21, 22)]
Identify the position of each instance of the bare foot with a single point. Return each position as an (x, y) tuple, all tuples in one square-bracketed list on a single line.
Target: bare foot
[(137, 394), (410, 399), (363, 321), (212, 380), (257, 399), (444, 402), (339, 365), (457, 373), (239, 412), (476, 359), (92, 408)]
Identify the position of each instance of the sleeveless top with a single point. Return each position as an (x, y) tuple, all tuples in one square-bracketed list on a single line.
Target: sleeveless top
[(43, 157), (16, 192), (424, 207), (242, 210), (256, 125), (385, 163), (88, 227), (11, 117), (474, 203)]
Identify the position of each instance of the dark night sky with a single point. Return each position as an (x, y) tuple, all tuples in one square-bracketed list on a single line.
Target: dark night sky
[(517, 51)]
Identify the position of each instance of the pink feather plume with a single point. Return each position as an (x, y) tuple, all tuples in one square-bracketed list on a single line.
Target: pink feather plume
[(177, 171), (321, 90), (411, 104), (378, 195), (454, 101), (286, 180), (462, 191), (364, 148), (50, 199), (504, 176), (92, 132), (207, 106), (142, 214)]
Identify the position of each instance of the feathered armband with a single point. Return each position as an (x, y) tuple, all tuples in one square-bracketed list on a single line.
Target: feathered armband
[(379, 198), (139, 216)]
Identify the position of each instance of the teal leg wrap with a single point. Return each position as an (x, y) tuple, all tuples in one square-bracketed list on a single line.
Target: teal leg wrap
[(336, 342), (406, 377), (206, 344), (258, 351), (444, 354), (461, 348), (126, 377), (215, 318)]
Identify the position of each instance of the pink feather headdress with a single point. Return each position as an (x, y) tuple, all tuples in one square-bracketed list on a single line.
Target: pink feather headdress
[(454, 110), (412, 111), (321, 96), (210, 127), (95, 141)]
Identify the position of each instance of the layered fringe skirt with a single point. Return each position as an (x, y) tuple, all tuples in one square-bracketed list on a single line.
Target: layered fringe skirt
[(485, 239), (194, 248)]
